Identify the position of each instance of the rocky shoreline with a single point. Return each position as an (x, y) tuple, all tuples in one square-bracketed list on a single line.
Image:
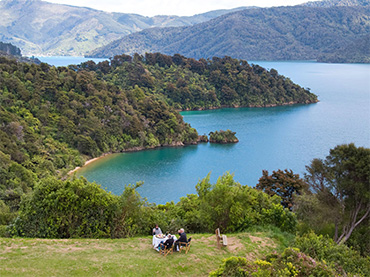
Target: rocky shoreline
[(249, 106)]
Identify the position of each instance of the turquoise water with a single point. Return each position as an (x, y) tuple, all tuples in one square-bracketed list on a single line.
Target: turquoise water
[(270, 138)]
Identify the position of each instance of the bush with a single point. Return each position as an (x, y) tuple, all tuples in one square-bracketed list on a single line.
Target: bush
[(3, 231), (339, 256), (232, 207), (290, 263), (77, 208), (58, 209)]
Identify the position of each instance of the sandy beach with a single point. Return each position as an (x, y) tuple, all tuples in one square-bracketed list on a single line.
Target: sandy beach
[(88, 162)]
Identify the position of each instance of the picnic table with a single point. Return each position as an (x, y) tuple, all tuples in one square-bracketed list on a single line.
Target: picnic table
[(157, 240)]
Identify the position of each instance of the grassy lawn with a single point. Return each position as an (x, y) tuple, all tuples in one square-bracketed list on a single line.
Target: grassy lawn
[(128, 257)]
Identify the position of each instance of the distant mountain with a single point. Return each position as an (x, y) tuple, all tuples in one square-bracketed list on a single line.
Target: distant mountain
[(332, 3), (283, 33), (42, 28), (356, 52)]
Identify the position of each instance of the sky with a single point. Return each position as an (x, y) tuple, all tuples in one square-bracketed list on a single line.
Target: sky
[(172, 7)]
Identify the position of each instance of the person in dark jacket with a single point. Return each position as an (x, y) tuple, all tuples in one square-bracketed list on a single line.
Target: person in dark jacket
[(182, 238), (168, 243)]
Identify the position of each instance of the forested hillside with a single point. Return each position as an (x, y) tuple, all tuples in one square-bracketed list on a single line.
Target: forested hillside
[(332, 3), (283, 33), (52, 119), (356, 52)]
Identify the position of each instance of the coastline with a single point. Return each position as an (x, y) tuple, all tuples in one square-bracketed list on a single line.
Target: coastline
[(133, 149), (181, 144), (249, 106), (88, 162)]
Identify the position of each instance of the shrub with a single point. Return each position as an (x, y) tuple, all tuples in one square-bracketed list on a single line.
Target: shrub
[(74, 208), (232, 207), (3, 231), (291, 262), (339, 256)]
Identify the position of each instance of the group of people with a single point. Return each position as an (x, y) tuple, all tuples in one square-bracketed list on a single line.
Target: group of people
[(170, 240)]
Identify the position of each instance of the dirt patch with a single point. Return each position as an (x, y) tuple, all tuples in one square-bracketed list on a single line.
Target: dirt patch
[(194, 258), (234, 245), (143, 246), (250, 256), (210, 241), (262, 242), (63, 249)]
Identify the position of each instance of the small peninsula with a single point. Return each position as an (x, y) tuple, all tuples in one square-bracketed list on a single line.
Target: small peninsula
[(54, 119)]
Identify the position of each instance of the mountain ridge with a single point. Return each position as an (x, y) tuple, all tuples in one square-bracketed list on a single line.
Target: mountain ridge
[(282, 33), (43, 28)]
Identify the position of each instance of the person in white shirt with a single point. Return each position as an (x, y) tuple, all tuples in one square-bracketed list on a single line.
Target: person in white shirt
[(157, 230)]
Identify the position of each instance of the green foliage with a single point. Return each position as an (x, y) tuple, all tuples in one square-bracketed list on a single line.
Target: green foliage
[(77, 208), (291, 262), (285, 184), (338, 256), (223, 136), (65, 209), (232, 207), (132, 215), (233, 266), (341, 191), (189, 84), (52, 119), (3, 231)]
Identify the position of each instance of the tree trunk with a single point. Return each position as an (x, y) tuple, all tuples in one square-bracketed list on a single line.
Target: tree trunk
[(348, 231)]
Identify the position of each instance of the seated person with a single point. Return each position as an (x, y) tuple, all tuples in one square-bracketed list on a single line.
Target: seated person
[(157, 230), (182, 238), (168, 243)]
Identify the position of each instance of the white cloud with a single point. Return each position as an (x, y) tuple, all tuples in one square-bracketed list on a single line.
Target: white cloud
[(173, 7)]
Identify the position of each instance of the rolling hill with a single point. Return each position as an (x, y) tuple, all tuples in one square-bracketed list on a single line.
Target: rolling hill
[(282, 33), (356, 52), (42, 28)]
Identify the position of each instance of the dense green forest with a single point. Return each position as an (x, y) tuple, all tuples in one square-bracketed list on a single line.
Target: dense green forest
[(357, 51), (52, 119), (188, 84)]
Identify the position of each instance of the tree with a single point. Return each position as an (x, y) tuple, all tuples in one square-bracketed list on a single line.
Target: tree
[(341, 186), (282, 183)]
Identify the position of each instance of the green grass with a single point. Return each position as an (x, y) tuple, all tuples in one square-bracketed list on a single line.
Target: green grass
[(128, 257)]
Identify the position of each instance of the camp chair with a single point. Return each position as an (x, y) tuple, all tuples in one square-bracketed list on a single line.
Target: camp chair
[(185, 246), (166, 250), (221, 239)]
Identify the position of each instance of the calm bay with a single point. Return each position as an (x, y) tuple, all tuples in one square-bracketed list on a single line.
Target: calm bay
[(286, 137)]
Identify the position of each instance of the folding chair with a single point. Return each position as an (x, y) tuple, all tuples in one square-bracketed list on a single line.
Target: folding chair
[(185, 246), (166, 250)]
